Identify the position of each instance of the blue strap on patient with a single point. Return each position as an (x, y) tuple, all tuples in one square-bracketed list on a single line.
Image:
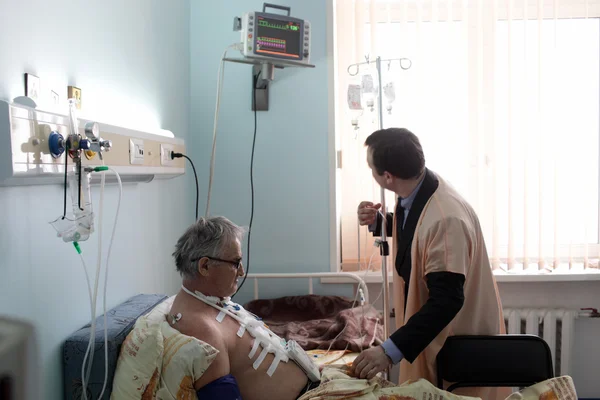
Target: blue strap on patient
[(224, 388)]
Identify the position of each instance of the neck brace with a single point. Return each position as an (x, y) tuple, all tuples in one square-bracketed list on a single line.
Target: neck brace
[(270, 343)]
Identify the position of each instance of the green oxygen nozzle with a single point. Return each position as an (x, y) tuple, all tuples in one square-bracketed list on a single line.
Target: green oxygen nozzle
[(76, 245)]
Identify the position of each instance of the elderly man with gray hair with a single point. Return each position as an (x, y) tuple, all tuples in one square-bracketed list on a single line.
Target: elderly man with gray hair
[(209, 258)]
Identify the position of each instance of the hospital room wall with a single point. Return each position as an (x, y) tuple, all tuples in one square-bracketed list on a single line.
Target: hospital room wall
[(290, 231), (131, 60)]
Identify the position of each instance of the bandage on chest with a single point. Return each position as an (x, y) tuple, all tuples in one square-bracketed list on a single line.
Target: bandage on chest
[(263, 337)]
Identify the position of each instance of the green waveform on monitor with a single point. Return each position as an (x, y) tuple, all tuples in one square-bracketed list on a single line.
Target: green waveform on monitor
[(285, 27), (271, 40)]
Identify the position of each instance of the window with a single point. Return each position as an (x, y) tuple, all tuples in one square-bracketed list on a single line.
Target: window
[(507, 109)]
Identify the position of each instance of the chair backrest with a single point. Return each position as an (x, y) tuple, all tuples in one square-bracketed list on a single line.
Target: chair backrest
[(494, 361)]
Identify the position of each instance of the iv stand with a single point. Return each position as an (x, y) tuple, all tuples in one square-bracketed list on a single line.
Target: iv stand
[(384, 248)]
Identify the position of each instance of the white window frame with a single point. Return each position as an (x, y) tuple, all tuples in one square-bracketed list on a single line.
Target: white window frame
[(579, 10), (335, 254)]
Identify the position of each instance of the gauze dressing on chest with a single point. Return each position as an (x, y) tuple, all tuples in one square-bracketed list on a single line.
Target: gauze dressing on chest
[(263, 336)]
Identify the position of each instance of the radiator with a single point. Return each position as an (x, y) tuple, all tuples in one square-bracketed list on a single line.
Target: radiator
[(555, 326)]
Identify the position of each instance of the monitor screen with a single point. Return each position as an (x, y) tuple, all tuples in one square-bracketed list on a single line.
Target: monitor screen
[(279, 38)]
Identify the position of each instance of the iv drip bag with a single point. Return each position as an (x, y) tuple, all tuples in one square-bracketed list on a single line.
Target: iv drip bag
[(389, 88), (354, 99), (389, 95), (369, 89)]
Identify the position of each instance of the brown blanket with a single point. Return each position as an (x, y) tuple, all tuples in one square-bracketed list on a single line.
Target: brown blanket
[(314, 321)]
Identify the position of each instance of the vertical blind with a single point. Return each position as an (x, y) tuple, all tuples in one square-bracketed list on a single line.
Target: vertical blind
[(505, 98)]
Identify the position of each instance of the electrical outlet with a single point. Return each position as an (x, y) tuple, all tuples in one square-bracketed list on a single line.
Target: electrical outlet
[(165, 154), (136, 151)]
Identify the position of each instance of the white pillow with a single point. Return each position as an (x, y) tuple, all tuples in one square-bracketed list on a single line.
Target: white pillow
[(558, 388), (158, 313), (159, 362), (185, 359), (138, 368)]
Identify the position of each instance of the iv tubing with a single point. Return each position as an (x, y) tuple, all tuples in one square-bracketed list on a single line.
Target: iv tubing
[(112, 236), (354, 302), (92, 342), (222, 309), (94, 297)]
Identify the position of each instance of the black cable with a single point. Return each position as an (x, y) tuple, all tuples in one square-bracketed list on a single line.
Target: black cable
[(65, 189), (79, 183), (179, 155), (196, 178), (251, 186)]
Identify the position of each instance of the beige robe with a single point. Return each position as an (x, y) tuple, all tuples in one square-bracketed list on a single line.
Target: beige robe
[(448, 237)]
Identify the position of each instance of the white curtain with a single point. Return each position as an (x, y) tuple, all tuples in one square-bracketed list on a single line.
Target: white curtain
[(505, 98)]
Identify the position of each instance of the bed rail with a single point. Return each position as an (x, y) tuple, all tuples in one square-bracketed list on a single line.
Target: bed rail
[(310, 276)]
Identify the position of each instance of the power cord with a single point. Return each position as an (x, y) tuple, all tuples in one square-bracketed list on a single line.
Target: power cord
[(251, 186), (237, 46), (179, 155)]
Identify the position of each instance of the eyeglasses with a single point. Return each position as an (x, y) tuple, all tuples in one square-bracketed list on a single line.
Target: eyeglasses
[(236, 264)]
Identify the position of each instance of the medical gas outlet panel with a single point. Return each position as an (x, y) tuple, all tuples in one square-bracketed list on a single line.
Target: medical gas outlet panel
[(37, 147)]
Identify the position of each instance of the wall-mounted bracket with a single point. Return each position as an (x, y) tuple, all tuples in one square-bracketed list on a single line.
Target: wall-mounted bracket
[(237, 24), (262, 75), (267, 74)]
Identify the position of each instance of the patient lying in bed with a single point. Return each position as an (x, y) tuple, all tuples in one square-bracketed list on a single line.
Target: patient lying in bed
[(208, 256)]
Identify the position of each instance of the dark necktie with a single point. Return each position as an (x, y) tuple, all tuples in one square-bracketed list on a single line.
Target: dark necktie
[(399, 215), (401, 255)]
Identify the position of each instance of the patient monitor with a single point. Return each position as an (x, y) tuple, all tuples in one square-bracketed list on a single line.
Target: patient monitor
[(280, 39), (269, 41)]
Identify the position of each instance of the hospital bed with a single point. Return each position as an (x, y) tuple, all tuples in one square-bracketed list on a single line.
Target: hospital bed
[(317, 318), (121, 319)]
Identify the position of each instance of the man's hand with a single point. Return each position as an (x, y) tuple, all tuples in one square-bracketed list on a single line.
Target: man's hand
[(370, 362), (367, 212)]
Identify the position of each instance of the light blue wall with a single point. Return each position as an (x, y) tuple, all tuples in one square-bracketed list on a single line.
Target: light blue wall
[(290, 232), (131, 58)]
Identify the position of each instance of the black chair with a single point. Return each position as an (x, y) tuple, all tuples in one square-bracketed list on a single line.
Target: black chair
[(494, 361)]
